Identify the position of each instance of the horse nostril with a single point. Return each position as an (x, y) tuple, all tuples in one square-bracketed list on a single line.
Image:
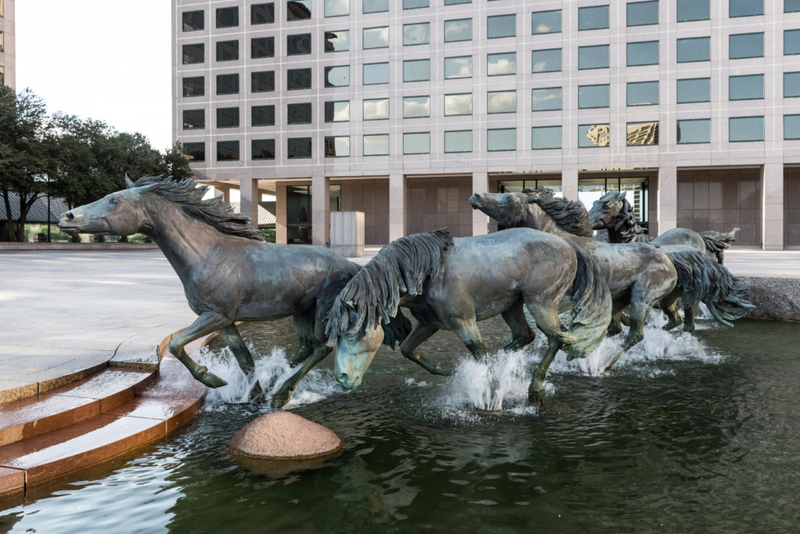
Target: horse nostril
[(342, 378)]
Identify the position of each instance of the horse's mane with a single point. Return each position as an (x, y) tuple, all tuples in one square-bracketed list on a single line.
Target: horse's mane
[(214, 211), (400, 267), (625, 223), (569, 216)]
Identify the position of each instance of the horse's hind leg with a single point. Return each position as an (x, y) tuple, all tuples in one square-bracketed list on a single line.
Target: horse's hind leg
[(284, 394), (230, 334), (640, 308), (548, 322), (616, 315), (669, 305), (521, 332), (205, 324), (419, 334), (304, 327), (689, 313)]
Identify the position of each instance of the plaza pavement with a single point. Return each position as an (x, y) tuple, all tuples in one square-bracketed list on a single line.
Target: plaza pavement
[(66, 312)]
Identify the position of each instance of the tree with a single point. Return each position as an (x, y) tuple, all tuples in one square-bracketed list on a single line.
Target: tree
[(177, 163)]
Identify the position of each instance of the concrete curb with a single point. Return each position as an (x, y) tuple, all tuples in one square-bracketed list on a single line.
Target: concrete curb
[(776, 299), (19, 247)]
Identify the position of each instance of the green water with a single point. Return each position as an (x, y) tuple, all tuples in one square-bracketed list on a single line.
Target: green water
[(691, 434)]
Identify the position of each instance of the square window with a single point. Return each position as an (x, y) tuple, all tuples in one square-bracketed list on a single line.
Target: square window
[(298, 10), (546, 99), (642, 133), (195, 86), (417, 70), (592, 18), (337, 111), (501, 140), (594, 136), (457, 67), (228, 84), (458, 141), (193, 21), (263, 148), (227, 50), (227, 117), (547, 60), (263, 115), (193, 53), (593, 96), (501, 102), (791, 84), (645, 53), (298, 45), (376, 145), (745, 129), (375, 6), (337, 146), (338, 41), (195, 151), (546, 22), (745, 8), (791, 42), (642, 13), (694, 90), (746, 45), (376, 73), (299, 113), (194, 119), (593, 57), (375, 38), (460, 104), (262, 13), (502, 64), (337, 76), (691, 10), (415, 4), (457, 30), (415, 107), (227, 150), (262, 47), (500, 26), (298, 79), (416, 34), (376, 109), (262, 82), (791, 127), (227, 17), (746, 87), (299, 147), (337, 8), (642, 93), (417, 143), (695, 131), (546, 137), (694, 49)]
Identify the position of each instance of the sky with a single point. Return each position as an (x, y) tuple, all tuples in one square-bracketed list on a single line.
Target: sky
[(108, 60)]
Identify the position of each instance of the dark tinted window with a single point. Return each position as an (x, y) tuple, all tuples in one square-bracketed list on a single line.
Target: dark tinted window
[(337, 41), (593, 18), (546, 137), (227, 50), (298, 79), (299, 113), (263, 115), (593, 96), (227, 117), (695, 49), (593, 57), (791, 84), (689, 10), (262, 82), (694, 131), (194, 53), (195, 86), (501, 26), (791, 6), (642, 93), (546, 22), (194, 119), (375, 6), (745, 129), (337, 147), (791, 42), (642, 13), (546, 99), (337, 111), (415, 4), (643, 53), (791, 127), (694, 90), (227, 150), (746, 87), (337, 76), (746, 45), (299, 45), (263, 148), (262, 47), (195, 151), (299, 147), (298, 9), (228, 84), (193, 20), (745, 8), (262, 13), (227, 17)]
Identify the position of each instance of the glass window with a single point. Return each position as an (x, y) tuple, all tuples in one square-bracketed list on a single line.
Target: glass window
[(694, 131), (791, 6), (263, 115), (593, 96), (417, 70), (501, 102), (457, 30), (376, 109), (337, 8), (746, 129), (298, 45), (745, 8), (228, 84), (458, 67), (746, 87), (337, 111), (689, 10), (546, 22), (299, 147), (298, 79), (227, 17), (375, 6), (694, 90), (645, 53), (416, 106), (594, 135), (415, 4), (416, 34), (262, 13), (227, 150), (694, 49), (546, 99), (460, 104), (791, 127), (337, 147), (376, 73), (642, 93), (642, 133), (417, 143), (746, 45), (791, 42), (193, 53), (545, 137), (227, 50), (455, 2), (337, 41), (337, 76), (262, 82), (299, 113), (459, 141), (502, 64), (642, 13), (593, 57), (262, 47), (501, 140), (195, 151), (592, 18), (298, 10), (194, 119), (376, 145), (791, 84), (375, 38), (547, 60), (501, 26), (193, 21), (195, 86), (227, 117), (263, 148)]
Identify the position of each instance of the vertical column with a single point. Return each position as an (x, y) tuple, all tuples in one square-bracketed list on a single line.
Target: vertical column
[(772, 206), (248, 189), (480, 221), (667, 199), (569, 183), (397, 206), (280, 213), (320, 209)]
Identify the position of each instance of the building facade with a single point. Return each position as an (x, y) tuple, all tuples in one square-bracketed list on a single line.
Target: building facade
[(7, 44), (403, 108)]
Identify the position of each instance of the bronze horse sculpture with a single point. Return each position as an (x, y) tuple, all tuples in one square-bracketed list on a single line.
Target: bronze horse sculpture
[(228, 272), (451, 284)]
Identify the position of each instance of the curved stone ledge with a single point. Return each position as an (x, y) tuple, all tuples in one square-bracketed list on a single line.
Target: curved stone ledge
[(776, 299)]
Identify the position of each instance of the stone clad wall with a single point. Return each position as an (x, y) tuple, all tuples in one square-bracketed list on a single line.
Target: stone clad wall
[(371, 197), (438, 202)]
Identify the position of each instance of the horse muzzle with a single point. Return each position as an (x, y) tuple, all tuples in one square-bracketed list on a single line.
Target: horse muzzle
[(348, 381)]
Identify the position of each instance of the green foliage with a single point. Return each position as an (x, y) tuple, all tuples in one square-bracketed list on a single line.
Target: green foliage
[(269, 234)]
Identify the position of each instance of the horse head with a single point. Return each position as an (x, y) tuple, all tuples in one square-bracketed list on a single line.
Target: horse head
[(610, 210), (355, 350), (510, 210)]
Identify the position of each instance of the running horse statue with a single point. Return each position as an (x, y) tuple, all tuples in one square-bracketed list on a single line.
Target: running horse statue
[(451, 284), (228, 272)]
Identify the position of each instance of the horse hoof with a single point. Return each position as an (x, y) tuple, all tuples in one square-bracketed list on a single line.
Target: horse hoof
[(256, 392), (445, 369), (280, 399), (211, 380), (536, 397)]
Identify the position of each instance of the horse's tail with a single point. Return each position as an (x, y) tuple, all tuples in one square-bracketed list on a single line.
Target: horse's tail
[(703, 279), (591, 308), (717, 242), (396, 330)]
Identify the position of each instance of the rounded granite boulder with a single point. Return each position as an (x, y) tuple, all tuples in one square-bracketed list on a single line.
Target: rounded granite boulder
[(284, 436)]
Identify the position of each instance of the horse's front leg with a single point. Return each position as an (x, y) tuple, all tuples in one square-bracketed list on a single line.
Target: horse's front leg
[(467, 331), (284, 394), (521, 332), (669, 305), (205, 324), (689, 313), (230, 334), (419, 334)]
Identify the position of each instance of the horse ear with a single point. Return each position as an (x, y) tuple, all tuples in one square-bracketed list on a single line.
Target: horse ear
[(622, 195), (129, 182)]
